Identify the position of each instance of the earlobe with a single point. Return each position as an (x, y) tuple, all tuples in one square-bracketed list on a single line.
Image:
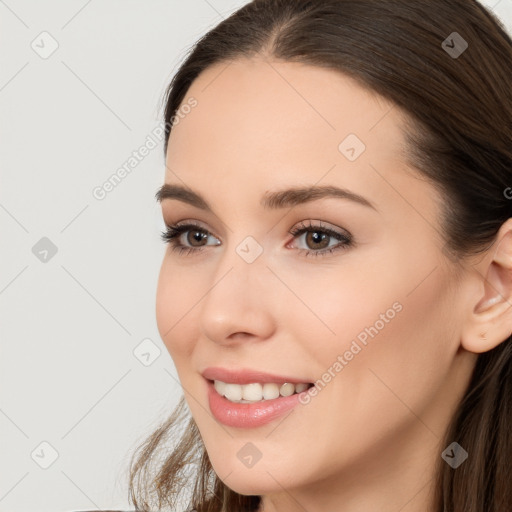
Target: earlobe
[(490, 319)]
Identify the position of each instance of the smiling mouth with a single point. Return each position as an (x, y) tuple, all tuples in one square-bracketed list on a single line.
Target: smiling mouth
[(256, 391)]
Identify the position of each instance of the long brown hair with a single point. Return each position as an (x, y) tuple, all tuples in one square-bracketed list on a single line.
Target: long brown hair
[(459, 106)]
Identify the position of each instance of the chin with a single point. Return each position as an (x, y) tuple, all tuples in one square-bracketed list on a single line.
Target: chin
[(260, 479), (249, 484)]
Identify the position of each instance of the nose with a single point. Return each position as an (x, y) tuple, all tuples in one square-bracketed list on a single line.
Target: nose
[(239, 306)]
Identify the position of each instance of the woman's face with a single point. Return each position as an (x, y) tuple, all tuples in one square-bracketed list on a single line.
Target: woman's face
[(377, 321)]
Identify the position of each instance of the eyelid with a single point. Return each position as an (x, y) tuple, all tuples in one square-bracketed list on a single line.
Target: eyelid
[(311, 224), (194, 224)]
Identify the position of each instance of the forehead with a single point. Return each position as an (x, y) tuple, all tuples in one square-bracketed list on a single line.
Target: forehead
[(262, 99), (283, 123)]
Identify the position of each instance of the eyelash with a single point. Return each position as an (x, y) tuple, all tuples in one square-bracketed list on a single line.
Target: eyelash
[(172, 234)]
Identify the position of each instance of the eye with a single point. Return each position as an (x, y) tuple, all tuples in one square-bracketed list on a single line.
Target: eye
[(196, 236), (316, 236)]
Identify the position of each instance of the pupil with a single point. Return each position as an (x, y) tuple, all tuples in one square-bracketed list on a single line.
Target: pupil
[(198, 236), (318, 237)]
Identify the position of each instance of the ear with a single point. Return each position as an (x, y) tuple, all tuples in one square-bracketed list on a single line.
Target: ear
[(489, 321)]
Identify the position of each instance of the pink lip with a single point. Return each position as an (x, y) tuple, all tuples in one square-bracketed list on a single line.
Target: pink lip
[(249, 415), (247, 376)]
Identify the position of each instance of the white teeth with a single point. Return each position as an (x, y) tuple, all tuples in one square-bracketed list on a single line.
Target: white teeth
[(287, 389), (233, 392), (252, 392), (300, 387), (270, 391), (219, 386), (255, 392)]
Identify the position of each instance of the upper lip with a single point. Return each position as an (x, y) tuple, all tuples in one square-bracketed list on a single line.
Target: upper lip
[(247, 376)]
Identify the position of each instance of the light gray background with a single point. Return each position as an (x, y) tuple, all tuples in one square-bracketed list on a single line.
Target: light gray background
[(70, 325)]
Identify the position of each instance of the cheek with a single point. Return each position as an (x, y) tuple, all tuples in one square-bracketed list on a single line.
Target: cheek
[(174, 300), (398, 340), (338, 304), (400, 367), (392, 315)]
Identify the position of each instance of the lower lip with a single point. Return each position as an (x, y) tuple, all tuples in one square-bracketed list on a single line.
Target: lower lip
[(249, 415)]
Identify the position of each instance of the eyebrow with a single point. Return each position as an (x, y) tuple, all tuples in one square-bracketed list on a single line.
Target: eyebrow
[(270, 200)]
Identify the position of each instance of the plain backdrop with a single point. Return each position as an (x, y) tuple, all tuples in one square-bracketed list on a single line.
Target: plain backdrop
[(84, 376)]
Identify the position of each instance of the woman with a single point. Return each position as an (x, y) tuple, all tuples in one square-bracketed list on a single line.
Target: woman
[(337, 286)]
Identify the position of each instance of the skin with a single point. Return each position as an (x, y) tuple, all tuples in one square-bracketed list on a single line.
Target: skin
[(371, 437)]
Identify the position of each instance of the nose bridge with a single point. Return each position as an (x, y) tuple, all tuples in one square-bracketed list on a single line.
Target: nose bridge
[(238, 298), (243, 264)]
